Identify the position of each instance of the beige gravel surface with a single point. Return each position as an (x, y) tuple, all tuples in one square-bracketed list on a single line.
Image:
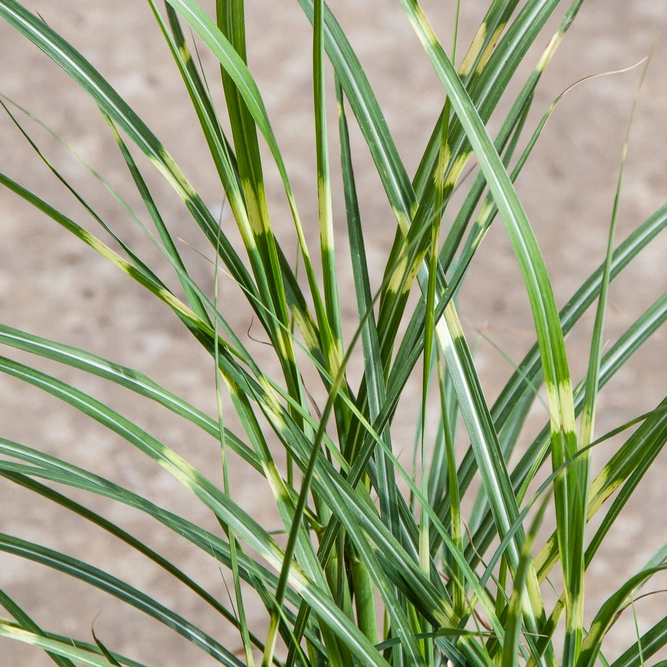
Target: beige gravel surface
[(50, 284)]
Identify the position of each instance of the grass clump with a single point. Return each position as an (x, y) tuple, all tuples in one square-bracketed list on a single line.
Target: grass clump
[(376, 562)]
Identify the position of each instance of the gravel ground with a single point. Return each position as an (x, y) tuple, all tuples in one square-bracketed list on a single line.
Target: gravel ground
[(50, 284)]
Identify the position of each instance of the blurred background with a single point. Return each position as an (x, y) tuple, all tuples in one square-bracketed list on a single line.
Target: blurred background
[(52, 285)]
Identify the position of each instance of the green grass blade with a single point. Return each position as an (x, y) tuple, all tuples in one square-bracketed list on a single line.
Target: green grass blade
[(575, 621), (63, 473), (89, 647), (369, 342), (514, 614), (26, 623), (226, 168), (577, 305), (440, 466), (532, 265), (613, 361), (139, 265), (478, 423), (607, 615), (236, 69), (119, 589), (139, 546), (369, 116), (167, 242), (244, 526), (550, 337), (252, 572), (105, 651), (652, 438), (629, 463), (373, 375), (520, 386), (62, 647), (125, 377), (495, 74), (113, 106), (334, 346), (494, 68), (324, 203), (145, 280), (458, 583), (230, 18), (647, 645)]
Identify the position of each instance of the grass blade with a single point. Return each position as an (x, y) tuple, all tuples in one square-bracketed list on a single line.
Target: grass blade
[(59, 647), (26, 623), (607, 615), (647, 645), (514, 613), (119, 589)]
